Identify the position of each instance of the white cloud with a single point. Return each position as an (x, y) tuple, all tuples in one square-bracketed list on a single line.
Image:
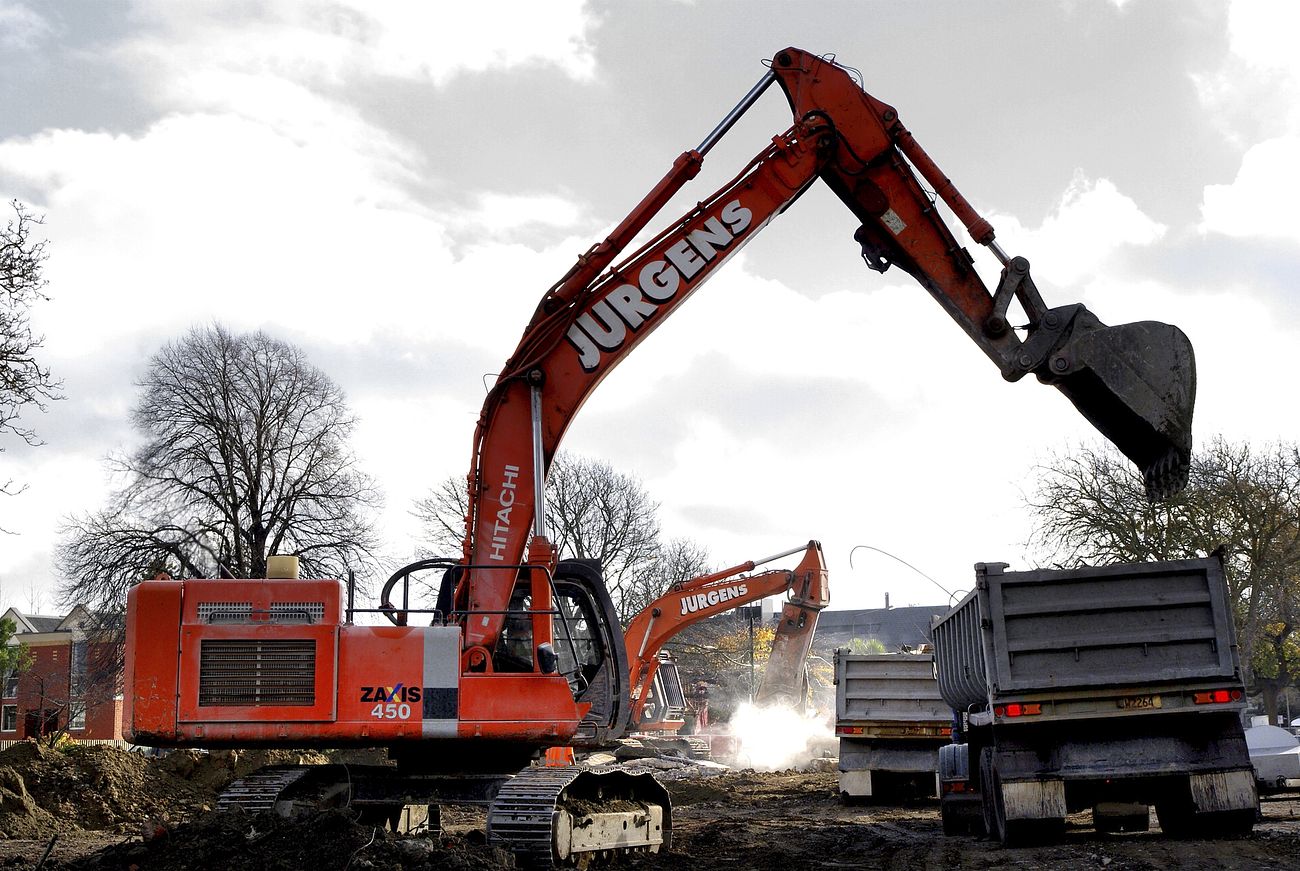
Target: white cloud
[(1255, 203), (263, 194), (210, 216), (21, 27), (1256, 93), (1092, 222), (1262, 33), (505, 212), (327, 43)]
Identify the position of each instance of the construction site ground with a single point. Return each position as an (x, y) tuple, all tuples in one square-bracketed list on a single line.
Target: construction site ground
[(102, 808)]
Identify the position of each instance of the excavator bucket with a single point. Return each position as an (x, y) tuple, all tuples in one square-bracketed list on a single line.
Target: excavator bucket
[(1137, 384)]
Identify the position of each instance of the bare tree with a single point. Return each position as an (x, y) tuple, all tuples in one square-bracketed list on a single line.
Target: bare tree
[(24, 382), (245, 455), (35, 596), (442, 515), (678, 559), (1090, 508), (593, 512)]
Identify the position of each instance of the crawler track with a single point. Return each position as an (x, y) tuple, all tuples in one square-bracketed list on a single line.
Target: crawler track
[(523, 816)]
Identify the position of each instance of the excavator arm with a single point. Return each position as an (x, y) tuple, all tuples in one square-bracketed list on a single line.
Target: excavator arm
[(1135, 383), (688, 602)]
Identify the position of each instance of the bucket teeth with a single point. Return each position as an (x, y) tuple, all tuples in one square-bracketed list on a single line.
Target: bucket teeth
[(1167, 476)]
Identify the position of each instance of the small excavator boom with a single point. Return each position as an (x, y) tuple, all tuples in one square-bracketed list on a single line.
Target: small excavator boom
[(688, 602)]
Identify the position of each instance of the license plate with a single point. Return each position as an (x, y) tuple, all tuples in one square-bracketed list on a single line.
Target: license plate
[(1137, 703)]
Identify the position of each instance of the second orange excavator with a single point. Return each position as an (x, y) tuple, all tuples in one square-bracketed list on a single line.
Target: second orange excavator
[(657, 700)]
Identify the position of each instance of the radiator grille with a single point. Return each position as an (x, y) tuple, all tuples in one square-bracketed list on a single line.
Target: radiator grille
[(277, 612), (257, 672), (225, 612)]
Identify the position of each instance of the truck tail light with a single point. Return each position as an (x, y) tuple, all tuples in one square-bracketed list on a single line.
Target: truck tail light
[(1216, 697), (1017, 709), (849, 730)]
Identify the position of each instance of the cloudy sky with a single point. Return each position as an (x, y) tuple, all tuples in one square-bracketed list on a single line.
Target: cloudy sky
[(392, 186)]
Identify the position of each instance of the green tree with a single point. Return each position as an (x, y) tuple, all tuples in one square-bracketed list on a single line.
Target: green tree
[(1242, 501), (866, 645), (14, 658)]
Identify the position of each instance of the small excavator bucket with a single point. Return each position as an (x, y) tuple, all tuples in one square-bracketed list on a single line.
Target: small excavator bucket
[(1137, 384)]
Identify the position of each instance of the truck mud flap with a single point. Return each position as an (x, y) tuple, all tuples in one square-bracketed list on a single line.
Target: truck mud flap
[(1033, 799), (1224, 791)]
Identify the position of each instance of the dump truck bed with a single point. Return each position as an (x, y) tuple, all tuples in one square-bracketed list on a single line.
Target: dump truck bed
[(891, 722), (1146, 632), (893, 693)]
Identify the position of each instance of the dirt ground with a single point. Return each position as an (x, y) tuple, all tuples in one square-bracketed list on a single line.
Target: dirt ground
[(795, 820), (95, 809)]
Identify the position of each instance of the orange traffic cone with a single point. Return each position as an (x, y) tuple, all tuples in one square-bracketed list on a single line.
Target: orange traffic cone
[(558, 757)]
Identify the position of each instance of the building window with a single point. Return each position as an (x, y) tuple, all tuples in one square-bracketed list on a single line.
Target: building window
[(78, 720), (9, 718), (78, 666), (11, 685)]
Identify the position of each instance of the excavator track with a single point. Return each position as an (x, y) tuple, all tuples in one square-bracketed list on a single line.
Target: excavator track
[(564, 817), (258, 792)]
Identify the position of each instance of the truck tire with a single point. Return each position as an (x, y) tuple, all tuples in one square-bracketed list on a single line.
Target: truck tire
[(1179, 820), (951, 818), (1175, 818), (1010, 833), (962, 815)]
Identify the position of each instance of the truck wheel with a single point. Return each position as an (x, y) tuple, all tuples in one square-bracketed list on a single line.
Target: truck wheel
[(1180, 821), (1010, 833), (1175, 818), (952, 821), (1225, 823), (962, 814), (1022, 833)]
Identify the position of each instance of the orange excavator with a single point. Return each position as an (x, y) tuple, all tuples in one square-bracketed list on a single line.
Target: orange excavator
[(658, 701), (525, 652)]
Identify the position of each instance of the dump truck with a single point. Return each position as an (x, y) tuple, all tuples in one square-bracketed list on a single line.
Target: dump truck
[(891, 721), (1114, 688)]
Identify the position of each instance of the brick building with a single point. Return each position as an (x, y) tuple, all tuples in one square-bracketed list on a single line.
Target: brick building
[(72, 681)]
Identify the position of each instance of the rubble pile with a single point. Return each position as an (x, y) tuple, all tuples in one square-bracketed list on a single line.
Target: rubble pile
[(44, 791), (77, 787), (267, 842)]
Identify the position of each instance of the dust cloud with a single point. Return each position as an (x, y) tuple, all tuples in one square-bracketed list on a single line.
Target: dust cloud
[(775, 738)]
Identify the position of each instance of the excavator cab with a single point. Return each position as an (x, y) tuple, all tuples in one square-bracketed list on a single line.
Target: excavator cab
[(589, 650)]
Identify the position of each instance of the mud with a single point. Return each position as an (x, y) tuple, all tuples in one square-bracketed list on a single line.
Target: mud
[(782, 821), (97, 809)]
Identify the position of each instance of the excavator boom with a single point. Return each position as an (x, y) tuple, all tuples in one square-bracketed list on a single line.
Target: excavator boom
[(1136, 382), (689, 602)]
